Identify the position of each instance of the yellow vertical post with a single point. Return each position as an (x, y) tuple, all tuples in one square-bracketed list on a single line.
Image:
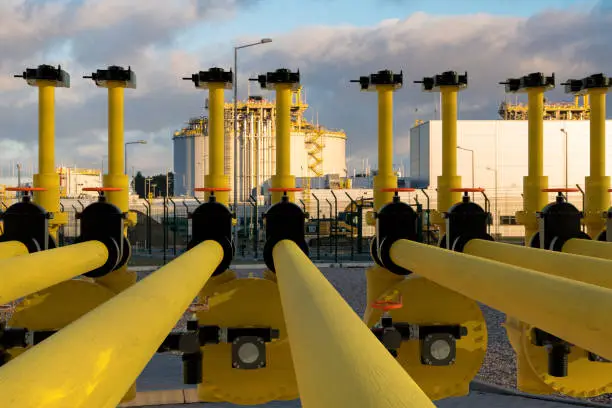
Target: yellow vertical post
[(216, 177), (385, 178), (47, 78), (116, 79), (283, 177), (534, 199), (449, 179), (597, 198)]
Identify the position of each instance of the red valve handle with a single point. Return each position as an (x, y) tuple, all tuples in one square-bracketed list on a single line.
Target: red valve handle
[(98, 189), (468, 190), (212, 189), (275, 189), (386, 305), (26, 189), (560, 190), (610, 190), (396, 190)]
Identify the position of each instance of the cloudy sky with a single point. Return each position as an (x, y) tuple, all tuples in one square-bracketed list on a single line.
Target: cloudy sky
[(330, 41)]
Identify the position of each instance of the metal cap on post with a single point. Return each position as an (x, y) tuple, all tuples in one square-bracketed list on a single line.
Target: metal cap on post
[(116, 74), (447, 78), (201, 79), (533, 80), (58, 77)]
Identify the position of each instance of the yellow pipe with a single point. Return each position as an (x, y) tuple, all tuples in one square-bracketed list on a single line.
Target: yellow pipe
[(338, 362), (385, 177), (283, 177), (10, 249), (47, 178), (597, 198), (24, 275), (574, 311), (533, 197), (594, 249), (449, 179), (216, 143), (93, 361), (570, 266)]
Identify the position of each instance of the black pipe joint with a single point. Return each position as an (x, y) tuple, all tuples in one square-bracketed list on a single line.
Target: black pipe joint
[(559, 222), (465, 221), (103, 222), (394, 221), (212, 221), (27, 223), (284, 220)]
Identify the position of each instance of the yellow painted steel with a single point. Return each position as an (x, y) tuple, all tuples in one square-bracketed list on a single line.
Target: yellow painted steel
[(427, 303), (595, 249), (115, 341), (283, 177), (338, 361), (216, 143), (24, 275), (378, 281), (449, 178), (9, 249), (245, 302), (535, 181), (581, 268), (385, 177), (46, 177), (121, 278), (597, 198), (574, 311), (585, 378)]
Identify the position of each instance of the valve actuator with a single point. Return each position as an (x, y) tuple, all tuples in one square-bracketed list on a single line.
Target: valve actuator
[(284, 220), (27, 223), (559, 222), (465, 221), (103, 222), (394, 221), (213, 221)]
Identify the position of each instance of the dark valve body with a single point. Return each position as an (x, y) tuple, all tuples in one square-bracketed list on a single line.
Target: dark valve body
[(213, 221), (394, 221), (27, 223), (465, 221), (103, 221), (284, 220), (559, 222)]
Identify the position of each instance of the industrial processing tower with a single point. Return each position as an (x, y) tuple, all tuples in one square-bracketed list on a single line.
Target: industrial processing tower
[(315, 151)]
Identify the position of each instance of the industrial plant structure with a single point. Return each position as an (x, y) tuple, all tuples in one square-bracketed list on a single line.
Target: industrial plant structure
[(315, 150)]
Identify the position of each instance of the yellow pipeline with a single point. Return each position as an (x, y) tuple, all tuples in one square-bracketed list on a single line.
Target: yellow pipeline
[(24, 275), (216, 142), (115, 340), (575, 311), (385, 177), (116, 177), (533, 197), (47, 178), (283, 177), (581, 268), (597, 198), (595, 249), (12, 248), (338, 362), (449, 178)]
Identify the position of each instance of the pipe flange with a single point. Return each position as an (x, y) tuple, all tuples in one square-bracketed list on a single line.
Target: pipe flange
[(461, 240), (374, 252), (114, 255), (126, 253), (384, 252)]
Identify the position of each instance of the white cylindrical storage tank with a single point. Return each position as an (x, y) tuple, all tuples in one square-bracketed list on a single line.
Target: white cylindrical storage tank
[(299, 155), (181, 162), (200, 161), (334, 153)]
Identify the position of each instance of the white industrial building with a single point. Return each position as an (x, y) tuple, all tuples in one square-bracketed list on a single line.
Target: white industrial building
[(497, 150), (315, 150)]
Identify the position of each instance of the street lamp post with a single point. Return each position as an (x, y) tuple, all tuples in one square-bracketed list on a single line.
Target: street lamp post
[(472, 152), (495, 202), (262, 41), (125, 153)]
